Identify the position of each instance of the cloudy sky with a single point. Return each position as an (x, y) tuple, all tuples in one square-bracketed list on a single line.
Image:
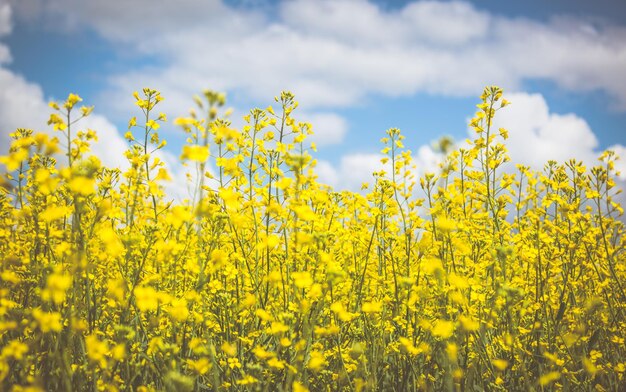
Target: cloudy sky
[(358, 67)]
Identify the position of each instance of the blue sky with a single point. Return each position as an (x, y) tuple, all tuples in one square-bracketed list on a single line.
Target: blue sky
[(358, 67)]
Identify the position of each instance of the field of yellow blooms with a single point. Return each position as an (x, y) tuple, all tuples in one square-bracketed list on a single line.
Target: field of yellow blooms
[(477, 277)]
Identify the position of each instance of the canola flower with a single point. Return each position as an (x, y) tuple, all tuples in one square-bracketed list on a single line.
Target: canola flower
[(472, 278)]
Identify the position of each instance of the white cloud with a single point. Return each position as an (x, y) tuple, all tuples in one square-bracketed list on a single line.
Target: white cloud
[(178, 188), (22, 105), (538, 135), (327, 19), (356, 169), (5, 19), (111, 145), (451, 23), (121, 20), (353, 170), (5, 55), (328, 128), (329, 57)]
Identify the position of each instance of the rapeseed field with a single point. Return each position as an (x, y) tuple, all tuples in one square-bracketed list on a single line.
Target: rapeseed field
[(483, 275)]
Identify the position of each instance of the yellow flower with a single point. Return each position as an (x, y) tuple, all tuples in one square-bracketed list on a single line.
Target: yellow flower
[(283, 183), (195, 153), (96, 350), (589, 366), (341, 312), (72, 99), (54, 212), (305, 282), (275, 363), (277, 328), (162, 175), (82, 185), (410, 348), (304, 212), (299, 387), (549, 378), (433, 266), (452, 350), (315, 291), (46, 182), (200, 366), (14, 349), (230, 197), (31, 388), (153, 124), (372, 307), (178, 309), (500, 364), (10, 277), (119, 352), (442, 329), (48, 322), (234, 363), (229, 349), (263, 315), (261, 353), (302, 279), (14, 159), (317, 361), (146, 298), (457, 281), (271, 241), (57, 286), (445, 225), (468, 324), (247, 380)]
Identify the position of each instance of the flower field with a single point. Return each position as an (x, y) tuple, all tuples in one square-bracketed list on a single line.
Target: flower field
[(481, 276)]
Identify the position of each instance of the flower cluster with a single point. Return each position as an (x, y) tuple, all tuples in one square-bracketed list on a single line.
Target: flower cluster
[(477, 277)]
